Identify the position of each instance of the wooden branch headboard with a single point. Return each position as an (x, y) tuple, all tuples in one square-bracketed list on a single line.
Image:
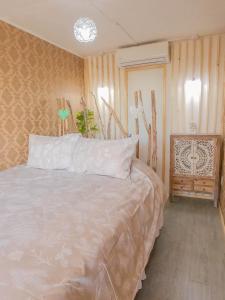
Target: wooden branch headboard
[(68, 124)]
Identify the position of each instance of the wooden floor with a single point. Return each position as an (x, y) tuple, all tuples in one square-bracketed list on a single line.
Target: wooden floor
[(188, 260)]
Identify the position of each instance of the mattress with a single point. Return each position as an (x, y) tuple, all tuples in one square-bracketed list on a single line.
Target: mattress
[(65, 236)]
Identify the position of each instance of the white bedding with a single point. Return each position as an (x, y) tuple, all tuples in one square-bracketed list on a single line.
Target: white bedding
[(66, 236)]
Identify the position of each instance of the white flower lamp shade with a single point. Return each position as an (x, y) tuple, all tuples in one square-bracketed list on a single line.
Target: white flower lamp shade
[(85, 30)]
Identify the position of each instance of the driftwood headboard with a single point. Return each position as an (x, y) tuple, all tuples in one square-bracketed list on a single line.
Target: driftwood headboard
[(67, 124)]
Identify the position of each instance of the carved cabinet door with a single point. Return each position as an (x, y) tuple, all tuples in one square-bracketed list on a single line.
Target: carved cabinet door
[(183, 157), (204, 157), (194, 157)]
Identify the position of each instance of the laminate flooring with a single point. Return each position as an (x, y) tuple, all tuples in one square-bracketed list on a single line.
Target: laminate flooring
[(188, 259)]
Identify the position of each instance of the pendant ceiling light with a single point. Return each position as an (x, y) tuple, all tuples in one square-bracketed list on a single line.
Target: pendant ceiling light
[(85, 30)]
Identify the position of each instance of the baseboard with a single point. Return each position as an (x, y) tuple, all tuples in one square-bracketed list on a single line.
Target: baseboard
[(222, 219)]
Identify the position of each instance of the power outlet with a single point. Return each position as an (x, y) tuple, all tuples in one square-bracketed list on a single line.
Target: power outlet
[(193, 127)]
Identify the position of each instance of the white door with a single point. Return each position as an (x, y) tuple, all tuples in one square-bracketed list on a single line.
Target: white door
[(146, 80)]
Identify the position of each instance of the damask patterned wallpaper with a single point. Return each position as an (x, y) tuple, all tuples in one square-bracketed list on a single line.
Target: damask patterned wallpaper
[(33, 73)]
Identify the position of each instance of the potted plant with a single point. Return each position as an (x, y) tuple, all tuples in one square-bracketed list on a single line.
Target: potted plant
[(85, 121)]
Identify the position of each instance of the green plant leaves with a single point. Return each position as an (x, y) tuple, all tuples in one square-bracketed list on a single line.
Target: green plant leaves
[(85, 121)]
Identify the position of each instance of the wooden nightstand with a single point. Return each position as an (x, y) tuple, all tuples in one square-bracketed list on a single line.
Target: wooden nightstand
[(195, 166)]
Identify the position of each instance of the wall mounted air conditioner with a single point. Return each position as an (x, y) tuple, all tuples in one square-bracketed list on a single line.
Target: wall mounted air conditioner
[(155, 53)]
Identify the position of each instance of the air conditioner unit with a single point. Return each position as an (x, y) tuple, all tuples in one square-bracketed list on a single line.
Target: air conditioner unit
[(156, 53)]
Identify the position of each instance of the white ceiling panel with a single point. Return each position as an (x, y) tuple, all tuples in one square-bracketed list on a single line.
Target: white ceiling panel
[(119, 22)]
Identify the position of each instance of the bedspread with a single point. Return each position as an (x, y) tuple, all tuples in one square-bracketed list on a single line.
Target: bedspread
[(65, 236)]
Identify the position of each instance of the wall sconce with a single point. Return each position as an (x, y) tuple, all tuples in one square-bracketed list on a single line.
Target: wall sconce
[(193, 89), (192, 95), (104, 93)]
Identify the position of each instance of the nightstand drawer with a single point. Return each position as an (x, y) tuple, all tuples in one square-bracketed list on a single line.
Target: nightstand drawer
[(183, 187), (202, 188), (204, 182), (182, 180)]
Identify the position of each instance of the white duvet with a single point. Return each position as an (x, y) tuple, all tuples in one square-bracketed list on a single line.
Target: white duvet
[(66, 236)]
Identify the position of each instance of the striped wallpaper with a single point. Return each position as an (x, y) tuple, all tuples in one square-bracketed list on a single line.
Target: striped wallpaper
[(201, 59)]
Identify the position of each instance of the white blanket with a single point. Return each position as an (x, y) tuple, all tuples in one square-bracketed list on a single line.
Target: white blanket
[(65, 236)]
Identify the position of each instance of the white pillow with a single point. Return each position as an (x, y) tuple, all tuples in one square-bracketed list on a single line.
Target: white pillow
[(103, 157), (48, 152)]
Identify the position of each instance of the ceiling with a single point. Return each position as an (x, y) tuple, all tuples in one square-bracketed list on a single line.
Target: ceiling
[(119, 22)]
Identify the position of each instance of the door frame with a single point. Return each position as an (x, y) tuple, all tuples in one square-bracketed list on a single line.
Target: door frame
[(147, 67)]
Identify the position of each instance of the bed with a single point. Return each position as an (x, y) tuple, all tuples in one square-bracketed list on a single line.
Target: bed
[(65, 236)]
